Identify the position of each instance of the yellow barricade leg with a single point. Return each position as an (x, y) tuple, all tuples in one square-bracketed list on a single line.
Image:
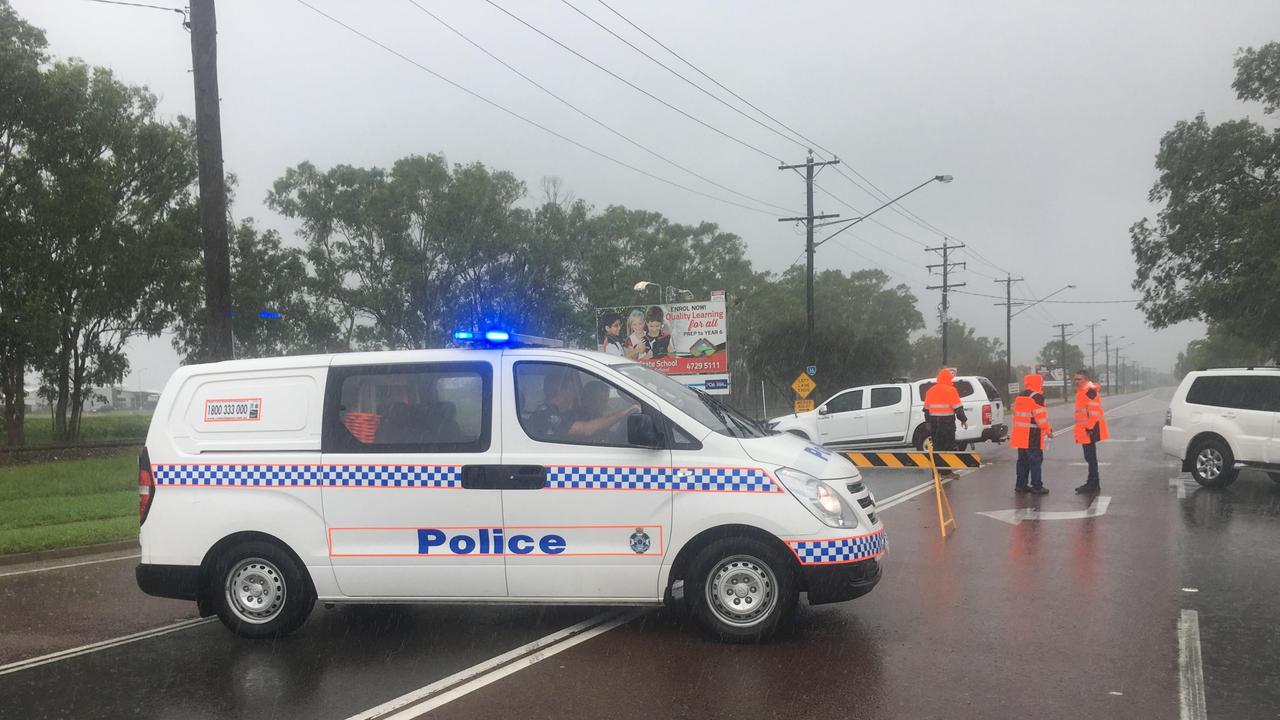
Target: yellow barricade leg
[(945, 516)]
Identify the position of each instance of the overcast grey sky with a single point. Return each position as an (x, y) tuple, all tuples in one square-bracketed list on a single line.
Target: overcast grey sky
[(1048, 114)]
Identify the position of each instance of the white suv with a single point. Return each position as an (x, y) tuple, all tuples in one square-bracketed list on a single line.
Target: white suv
[(1222, 420), (892, 415)]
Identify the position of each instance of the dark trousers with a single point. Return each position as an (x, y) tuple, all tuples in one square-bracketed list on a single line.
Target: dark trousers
[(1030, 462), (942, 430), (1091, 455)]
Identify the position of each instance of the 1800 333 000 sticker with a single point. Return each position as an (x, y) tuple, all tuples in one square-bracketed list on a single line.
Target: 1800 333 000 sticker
[(233, 409)]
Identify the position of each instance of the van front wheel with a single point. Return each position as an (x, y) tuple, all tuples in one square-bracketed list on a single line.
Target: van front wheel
[(744, 588), (260, 591)]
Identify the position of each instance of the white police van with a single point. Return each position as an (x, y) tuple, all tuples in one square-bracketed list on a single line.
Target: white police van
[(497, 474)]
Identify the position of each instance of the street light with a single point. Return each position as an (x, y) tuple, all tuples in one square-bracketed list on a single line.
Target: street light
[(850, 222), (645, 285), (664, 293), (1046, 297), (810, 246)]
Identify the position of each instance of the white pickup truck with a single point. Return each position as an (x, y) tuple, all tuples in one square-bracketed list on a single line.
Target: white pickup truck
[(892, 415)]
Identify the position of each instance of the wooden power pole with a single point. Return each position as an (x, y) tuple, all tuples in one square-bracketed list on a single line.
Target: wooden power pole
[(213, 190)]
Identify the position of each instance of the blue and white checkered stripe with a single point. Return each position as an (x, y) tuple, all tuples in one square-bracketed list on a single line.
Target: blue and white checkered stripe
[(817, 552), (709, 479), (420, 476)]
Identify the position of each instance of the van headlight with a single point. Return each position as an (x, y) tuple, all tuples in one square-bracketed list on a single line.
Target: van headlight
[(822, 501)]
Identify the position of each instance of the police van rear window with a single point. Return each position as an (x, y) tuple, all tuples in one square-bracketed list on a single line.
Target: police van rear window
[(427, 407)]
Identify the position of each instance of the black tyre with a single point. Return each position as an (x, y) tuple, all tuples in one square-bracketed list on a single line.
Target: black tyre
[(260, 591), (741, 588), (920, 438), (1275, 476), (1212, 464)]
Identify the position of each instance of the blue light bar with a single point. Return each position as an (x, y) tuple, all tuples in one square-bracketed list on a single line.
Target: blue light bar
[(497, 336), (463, 335), (269, 314)]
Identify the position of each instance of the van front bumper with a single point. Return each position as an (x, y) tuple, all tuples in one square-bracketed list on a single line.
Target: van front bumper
[(180, 582), (837, 582)]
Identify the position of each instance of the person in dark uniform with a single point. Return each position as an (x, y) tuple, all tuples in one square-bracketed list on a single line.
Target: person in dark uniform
[(561, 417), (942, 407)]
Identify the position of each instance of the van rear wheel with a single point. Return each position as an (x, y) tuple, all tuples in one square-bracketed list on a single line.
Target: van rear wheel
[(260, 591), (742, 589)]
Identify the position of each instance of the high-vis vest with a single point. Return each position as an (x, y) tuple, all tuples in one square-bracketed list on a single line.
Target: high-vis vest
[(942, 399), (1027, 413), (1089, 414)]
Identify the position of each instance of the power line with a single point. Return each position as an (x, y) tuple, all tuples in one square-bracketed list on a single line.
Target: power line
[(901, 210), (1058, 302), (695, 85), (180, 11), (520, 117), (718, 84), (632, 85), (589, 116)]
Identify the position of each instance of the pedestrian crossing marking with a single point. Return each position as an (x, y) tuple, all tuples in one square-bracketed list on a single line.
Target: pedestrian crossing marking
[(914, 459)]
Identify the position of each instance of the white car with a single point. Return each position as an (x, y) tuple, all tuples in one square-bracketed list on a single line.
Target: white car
[(892, 415), (496, 474), (1222, 420)]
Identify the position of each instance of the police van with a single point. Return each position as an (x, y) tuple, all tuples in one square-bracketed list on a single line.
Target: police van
[(494, 473)]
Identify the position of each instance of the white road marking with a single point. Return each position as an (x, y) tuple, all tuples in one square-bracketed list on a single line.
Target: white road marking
[(70, 565), (1126, 440), (1084, 464), (1180, 486), (440, 692), (920, 489), (1190, 667), (1014, 516), (103, 645)]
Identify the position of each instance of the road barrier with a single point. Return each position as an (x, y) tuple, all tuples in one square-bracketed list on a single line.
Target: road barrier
[(931, 461), (914, 460)]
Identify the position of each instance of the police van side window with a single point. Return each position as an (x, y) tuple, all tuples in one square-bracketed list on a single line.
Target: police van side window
[(564, 404), (416, 408)]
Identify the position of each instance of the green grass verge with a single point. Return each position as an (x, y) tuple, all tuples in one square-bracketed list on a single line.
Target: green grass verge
[(122, 425), (87, 532), (69, 477), (68, 502)]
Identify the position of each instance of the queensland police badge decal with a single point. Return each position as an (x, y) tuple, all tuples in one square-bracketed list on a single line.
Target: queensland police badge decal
[(640, 541)]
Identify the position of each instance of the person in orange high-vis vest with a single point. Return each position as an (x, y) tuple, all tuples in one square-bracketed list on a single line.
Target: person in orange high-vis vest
[(1030, 435), (942, 408), (1090, 427)]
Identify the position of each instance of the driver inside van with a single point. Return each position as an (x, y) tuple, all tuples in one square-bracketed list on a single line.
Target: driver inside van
[(565, 416)]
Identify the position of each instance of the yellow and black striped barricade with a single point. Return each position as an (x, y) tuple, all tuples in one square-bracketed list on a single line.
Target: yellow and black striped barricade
[(915, 460), (930, 461)]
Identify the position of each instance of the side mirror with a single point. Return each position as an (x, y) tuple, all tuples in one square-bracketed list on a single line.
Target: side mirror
[(642, 432), (823, 410)]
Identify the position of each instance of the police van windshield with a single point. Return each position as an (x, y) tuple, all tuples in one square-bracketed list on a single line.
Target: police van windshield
[(700, 406)]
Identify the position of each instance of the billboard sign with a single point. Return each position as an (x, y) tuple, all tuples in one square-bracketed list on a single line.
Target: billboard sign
[(687, 340)]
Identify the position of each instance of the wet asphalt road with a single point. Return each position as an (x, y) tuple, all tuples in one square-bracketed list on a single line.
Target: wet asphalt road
[(1050, 618)]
